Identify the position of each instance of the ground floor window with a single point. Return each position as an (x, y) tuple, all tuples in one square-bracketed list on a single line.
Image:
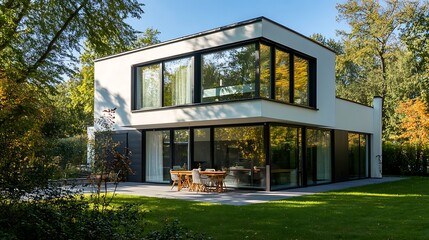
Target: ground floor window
[(285, 156), (240, 151), (318, 160), (158, 156), (357, 149), (258, 156)]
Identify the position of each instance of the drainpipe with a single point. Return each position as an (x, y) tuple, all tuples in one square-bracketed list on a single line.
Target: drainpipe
[(376, 153)]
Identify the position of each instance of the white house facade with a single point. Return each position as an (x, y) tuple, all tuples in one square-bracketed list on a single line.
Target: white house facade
[(253, 98)]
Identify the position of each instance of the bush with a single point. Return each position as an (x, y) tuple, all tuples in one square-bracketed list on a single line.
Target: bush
[(404, 159), (69, 217)]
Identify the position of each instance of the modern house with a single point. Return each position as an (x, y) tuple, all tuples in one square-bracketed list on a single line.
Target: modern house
[(254, 98)]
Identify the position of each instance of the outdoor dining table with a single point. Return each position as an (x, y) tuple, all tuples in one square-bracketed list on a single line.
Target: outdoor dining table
[(217, 177), (184, 178)]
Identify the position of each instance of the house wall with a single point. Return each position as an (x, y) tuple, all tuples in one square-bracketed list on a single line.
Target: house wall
[(325, 72), (353, 117), (113, 81)]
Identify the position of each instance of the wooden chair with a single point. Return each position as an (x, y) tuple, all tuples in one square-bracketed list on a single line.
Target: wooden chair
[(175, 178)]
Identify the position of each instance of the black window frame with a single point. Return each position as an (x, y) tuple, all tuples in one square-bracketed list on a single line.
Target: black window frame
[(197, 78)]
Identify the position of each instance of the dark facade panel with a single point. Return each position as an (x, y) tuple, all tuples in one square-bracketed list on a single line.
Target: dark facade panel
[(341, 157)]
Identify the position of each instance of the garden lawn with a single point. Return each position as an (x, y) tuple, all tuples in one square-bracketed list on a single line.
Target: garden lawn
[(394, 210)]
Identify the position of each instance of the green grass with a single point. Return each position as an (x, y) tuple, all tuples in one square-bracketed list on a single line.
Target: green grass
[(395, 210)]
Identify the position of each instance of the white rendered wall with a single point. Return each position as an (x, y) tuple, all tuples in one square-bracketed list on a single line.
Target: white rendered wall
[(113, 83), (353, 117), (113, 74)]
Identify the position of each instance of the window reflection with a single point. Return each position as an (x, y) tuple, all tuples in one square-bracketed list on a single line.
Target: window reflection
[(285, 154), (228, 74), (301, 68), (265, 71), (202, 151), (282, 84), (357, 155), (240, 151)]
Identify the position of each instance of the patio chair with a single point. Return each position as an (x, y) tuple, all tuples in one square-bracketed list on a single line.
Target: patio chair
[(175, 178), (198, 184)]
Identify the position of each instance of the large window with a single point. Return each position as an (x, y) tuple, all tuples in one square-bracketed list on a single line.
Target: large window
[(285, 154), (228, 74), (243, 72), (240, 151), (301, 81), (265, 70), (149, 86), (282, 84), (318, 164), (178, 79), (158, 156), (202, 148)]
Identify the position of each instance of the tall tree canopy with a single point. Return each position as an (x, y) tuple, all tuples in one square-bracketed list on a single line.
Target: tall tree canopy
[(39, 39), (375, 60), (38, 44)]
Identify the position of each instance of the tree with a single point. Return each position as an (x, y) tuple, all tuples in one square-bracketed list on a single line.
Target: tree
[(39, 38), (415, 35), (38, 41), (375, 60), (81, 86), (414, 122)]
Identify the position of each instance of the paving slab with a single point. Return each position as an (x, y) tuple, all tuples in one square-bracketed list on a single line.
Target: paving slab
[(236, 196)]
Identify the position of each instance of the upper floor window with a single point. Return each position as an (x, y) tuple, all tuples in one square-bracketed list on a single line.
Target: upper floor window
[(164, 84), (149, 86), (241, 72), (178, 79), (228, 74)]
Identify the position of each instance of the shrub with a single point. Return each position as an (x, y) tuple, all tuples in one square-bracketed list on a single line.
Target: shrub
[(404, 159)]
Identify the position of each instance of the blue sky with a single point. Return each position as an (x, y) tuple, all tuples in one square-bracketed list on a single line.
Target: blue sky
[(178, 18)]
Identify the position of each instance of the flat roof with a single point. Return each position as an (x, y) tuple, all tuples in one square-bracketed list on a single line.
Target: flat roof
[(219, 29)]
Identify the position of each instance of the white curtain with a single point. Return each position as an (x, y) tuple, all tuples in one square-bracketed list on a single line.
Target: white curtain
[(154, 164), (182, 89)]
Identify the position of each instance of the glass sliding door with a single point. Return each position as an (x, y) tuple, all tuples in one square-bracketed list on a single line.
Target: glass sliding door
[(181, 149), (240, 151), (202, 148), (363, 156), (285, 154), (357, 155), (319, 159), (158, 159)]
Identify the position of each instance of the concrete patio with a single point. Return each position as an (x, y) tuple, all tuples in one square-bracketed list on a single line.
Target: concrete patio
[(237, 197)]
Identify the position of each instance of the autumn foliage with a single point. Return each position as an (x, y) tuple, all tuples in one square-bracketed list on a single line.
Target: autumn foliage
[(415, 122)]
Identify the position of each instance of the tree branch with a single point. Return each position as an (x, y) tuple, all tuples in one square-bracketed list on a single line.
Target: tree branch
[(8, 35), (51, 44)]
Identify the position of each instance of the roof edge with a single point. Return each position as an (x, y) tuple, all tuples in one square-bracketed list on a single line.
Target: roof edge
[(218, 29)]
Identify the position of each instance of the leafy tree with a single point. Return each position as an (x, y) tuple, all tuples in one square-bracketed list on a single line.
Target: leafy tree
[(38, 42), (81, 86), (415, 34), (375, 61), (414, 122)]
